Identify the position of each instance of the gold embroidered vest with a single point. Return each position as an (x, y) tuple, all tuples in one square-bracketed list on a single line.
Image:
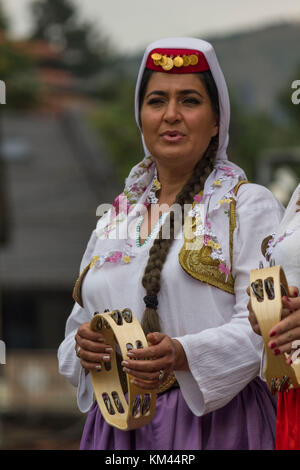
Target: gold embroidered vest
[(197, 261)]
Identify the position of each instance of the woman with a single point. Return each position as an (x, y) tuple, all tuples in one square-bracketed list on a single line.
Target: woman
[(283, 248), (193, 286)]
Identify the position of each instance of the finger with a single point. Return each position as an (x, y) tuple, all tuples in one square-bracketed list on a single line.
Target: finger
[(285, 313), (248, 290), (291, 303), (145, 385), (146, 366), (92, 346), (293, 291), (150, 377), (87, 333), (284, 348), (290, 322), (155, 338), (151, 384), (91, 365), (153, 351), (284, 342), (95, 358)]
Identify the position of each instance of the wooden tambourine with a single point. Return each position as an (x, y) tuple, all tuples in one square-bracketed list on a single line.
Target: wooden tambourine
[(267, 286), (121, 330)]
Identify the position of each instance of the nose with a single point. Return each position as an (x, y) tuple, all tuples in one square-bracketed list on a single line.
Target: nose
[(172, 113)]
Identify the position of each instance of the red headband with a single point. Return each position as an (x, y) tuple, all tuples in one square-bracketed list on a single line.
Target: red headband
[(177, 61)]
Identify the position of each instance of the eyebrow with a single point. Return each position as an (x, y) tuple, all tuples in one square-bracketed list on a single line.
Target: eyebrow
[(181, 92)]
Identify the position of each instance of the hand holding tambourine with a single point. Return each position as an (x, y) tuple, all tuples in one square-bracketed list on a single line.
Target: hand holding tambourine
[(123, 333), (267, 286)]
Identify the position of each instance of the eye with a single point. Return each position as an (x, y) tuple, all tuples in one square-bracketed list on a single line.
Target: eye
[(155, 101), (191, 101)]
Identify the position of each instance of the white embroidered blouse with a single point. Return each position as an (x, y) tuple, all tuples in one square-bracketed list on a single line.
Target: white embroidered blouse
[(223, 352)]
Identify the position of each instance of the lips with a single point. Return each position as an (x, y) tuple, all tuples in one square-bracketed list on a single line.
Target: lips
[(172, 136)]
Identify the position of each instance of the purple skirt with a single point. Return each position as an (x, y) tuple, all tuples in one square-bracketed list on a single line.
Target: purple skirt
[(248, 422)]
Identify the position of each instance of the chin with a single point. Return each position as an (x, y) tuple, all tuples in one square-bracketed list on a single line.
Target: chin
[(170, 152)]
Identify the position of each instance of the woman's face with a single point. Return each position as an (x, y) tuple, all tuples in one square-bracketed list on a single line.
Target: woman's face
[(177, 118)]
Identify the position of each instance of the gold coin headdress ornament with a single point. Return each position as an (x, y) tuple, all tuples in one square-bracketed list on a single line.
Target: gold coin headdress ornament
[(177, 61)]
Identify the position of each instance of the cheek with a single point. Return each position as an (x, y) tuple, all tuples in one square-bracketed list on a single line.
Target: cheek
[(145, 121), (205, 125), (149, 124)]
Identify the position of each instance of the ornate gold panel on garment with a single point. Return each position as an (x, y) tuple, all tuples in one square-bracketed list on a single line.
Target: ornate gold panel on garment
[(195, 257)]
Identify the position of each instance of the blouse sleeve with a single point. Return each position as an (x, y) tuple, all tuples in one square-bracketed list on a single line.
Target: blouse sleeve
[(223, 360), (68, 363)]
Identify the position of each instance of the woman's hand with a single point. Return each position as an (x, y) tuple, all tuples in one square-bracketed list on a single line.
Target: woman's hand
[(287, 331), (285, 311), (150, 367), (90, 348)]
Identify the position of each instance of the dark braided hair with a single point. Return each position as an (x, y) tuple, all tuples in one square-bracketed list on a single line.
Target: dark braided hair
[(161, 246)]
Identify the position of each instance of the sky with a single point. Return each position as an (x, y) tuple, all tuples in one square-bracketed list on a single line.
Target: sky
[(132, 24)]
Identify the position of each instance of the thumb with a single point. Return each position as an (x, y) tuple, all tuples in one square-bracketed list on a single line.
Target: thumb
[(293, 291), (155, 338)]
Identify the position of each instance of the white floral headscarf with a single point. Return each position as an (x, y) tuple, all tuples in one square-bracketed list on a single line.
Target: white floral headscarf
[(140, 188), (218, 189)]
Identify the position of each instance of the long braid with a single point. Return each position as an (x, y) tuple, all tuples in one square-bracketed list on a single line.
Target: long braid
[(161, 246)]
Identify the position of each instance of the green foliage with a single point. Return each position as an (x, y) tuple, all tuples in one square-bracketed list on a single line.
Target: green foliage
[(17, 69), (250, 134), (114, 121), (4, 24), (84, 50)]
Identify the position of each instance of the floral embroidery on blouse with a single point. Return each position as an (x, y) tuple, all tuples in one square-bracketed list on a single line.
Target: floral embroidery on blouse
[(136, 190), (272, 243), (124, 203), (136, 185), (117, 256)]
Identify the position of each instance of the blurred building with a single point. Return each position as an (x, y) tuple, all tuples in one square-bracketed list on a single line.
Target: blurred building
[(56, 175)]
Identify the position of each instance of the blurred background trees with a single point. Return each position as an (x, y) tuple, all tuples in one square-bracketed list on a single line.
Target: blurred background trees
[(109, 80), (17, 70), (84, 49)]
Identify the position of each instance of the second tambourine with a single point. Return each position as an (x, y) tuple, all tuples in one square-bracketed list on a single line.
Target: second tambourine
[(267, 286)]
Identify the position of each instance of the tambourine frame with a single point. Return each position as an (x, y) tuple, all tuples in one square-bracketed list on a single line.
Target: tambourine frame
[(139, 408), (267, 285)]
